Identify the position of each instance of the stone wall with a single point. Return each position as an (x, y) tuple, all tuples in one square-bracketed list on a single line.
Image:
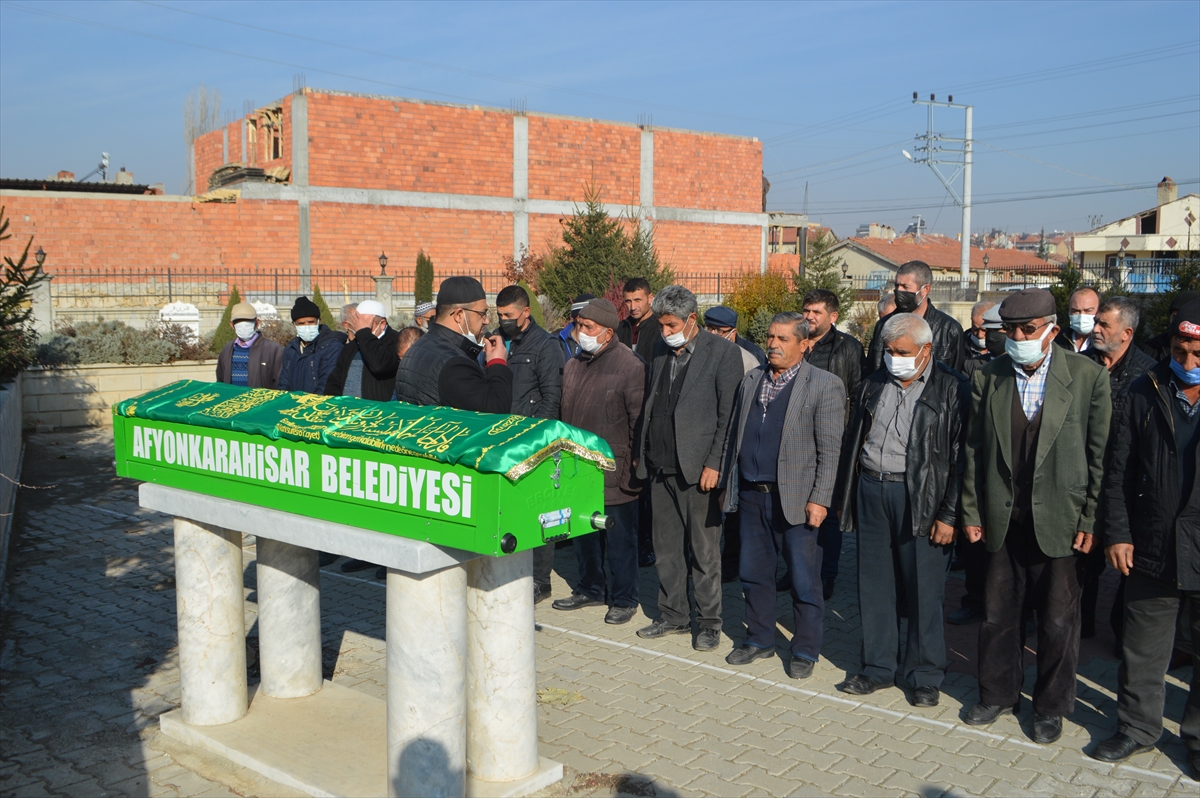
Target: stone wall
[(82, 396)]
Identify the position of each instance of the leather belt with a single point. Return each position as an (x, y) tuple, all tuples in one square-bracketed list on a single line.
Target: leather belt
[(883, 476), (760, 487)]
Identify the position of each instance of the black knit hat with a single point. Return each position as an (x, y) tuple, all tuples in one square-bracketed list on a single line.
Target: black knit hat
[(460, 290), (305, 308)]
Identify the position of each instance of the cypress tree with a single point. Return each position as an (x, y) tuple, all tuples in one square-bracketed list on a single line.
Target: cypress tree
[(326, 314), (224, 333), (423, 281)]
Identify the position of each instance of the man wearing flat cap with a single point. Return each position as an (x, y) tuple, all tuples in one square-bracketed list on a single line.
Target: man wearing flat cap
[(602, 392), (250, 359), (1152, 536), (1034, 474), (442, 367)]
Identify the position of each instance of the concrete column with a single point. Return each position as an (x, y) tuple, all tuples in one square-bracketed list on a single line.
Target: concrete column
[(42, 301), (212, 628), (646, 179), (289, 619), (502, 741), (305, 249), (762, 266), (520, 184), (426, 682), (383, 291), (299, 120)]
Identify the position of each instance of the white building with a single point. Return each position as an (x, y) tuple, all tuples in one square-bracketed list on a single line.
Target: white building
[(1164, 232)]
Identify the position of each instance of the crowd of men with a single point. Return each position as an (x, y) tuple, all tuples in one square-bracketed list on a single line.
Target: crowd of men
[(1028, 455)]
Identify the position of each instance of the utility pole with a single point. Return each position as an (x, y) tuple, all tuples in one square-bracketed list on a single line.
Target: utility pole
[(931, 144)]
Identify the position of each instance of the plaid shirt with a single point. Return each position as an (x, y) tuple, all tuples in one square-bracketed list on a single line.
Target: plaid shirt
[(1032, 387), (1185, 405), (771, 386)]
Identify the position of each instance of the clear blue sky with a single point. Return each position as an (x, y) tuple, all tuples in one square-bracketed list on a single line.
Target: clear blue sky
[(1107, 95)]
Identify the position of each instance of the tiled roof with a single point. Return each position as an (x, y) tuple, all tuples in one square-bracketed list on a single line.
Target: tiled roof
[(945, 253)]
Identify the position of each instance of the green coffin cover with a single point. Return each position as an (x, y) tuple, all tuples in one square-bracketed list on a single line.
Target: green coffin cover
[(487, 442)]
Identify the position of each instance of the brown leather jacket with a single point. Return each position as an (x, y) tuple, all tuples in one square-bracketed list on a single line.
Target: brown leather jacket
[(603, 394)]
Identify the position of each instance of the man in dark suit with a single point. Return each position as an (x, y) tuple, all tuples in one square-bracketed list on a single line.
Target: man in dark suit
[(1152, 536), (1035, 464), (899, 478), (914, 282), (781, 469), (693, 382)]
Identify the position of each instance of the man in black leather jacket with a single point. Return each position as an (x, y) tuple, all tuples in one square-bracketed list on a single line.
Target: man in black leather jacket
[(914, 281), (841, 355), (899, 480)]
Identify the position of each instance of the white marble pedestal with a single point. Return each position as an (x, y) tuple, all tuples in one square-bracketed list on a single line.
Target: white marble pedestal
[(461, 711)]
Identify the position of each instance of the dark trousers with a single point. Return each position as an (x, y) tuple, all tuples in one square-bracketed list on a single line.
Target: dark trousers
[(1018, 570), (731, 552), (975, 559), (829, 538), (887, 547), (687, 520), (618, 547), (1151, 608), (645, 524), (543, 563), (765, 534)]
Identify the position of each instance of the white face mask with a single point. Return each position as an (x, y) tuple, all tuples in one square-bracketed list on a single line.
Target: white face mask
[(1082, 323), (470, 336), (589, 344), (902, 368), (1029, 351), (676, 340), (307, 332), (244, 330)]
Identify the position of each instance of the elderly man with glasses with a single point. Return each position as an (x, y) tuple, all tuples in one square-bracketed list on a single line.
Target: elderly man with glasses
[(1034, 472)]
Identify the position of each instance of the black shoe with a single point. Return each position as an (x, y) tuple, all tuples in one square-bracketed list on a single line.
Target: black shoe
[(1118, 748), (381, 572), (540, 593), (965, 615), (707, 640), (576, 601), (858, 684), (1046, 729), (746, 653), (800, 668), (661, 628), (619, 615), (326, 558), (646, 559), (984, 714), (827, 588), (926, 697), (353, 566)]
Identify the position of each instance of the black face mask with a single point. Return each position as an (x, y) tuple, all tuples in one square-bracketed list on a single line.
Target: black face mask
[(995, 342), (906, 301), (509, 328)]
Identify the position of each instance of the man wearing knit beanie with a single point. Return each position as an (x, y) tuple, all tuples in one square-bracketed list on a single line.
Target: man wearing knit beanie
[(602, 392), (310, 357)]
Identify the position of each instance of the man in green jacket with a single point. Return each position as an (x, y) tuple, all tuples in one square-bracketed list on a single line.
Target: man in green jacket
[(1034, 472)]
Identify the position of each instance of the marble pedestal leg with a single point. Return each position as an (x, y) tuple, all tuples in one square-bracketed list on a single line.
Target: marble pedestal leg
[(289, 619), (212, 627), (426, 682), (502, 741)]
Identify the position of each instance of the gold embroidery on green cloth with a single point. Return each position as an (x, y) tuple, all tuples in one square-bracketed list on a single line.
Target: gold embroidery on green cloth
[(241, 404), (196, 399)]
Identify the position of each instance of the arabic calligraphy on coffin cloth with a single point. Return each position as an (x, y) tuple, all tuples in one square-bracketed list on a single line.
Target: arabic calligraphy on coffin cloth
[(489, 443)]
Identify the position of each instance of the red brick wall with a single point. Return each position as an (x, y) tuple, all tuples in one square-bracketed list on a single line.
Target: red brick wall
[(235, 140), (207, 149), (694, 170), (82, 234), (783, 262), (348, 238), (566, 155), (363, 142), (708, 248)]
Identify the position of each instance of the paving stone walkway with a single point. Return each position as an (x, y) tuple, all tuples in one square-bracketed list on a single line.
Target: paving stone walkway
[(88, 663)]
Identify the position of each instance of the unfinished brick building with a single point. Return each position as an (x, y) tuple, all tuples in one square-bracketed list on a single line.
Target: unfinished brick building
[(323, 181)]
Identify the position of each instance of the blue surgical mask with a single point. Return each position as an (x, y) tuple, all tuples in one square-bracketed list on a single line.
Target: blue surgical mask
[(1186, 376), (1029, 351)]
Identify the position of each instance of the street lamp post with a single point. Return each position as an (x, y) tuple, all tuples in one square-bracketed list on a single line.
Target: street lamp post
[(382, 264)]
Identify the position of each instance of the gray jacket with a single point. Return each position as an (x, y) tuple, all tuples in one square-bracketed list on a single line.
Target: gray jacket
[(811, 445), (537, 365), (704, 408)]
